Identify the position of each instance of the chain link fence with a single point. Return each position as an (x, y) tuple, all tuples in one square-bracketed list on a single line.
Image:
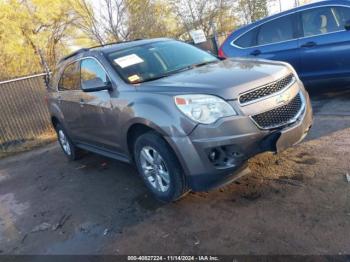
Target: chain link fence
[(24, 116)]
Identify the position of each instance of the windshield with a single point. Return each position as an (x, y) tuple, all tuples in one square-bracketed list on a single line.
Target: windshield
[(156, 60)]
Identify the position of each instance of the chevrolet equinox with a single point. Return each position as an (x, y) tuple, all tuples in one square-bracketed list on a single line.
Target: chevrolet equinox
[(187, 119)]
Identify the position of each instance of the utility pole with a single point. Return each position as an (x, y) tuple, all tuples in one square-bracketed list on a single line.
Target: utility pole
[(280, 5)]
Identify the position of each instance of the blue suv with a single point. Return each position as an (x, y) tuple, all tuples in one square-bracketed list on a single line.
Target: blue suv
[(314, 38)]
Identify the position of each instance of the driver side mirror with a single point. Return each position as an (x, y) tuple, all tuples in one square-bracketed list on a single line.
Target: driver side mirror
[(347, 25), (95, 84)]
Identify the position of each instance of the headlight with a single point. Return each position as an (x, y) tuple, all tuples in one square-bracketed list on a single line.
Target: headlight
[(205, 109)]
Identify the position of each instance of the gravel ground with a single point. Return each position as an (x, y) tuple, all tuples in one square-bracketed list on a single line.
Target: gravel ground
[(296, 202)]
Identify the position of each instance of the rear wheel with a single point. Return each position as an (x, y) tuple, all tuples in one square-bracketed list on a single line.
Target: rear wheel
[(69, 149), (159, 167)]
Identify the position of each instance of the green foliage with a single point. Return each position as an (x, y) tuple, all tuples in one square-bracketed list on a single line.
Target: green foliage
[(34, 33)]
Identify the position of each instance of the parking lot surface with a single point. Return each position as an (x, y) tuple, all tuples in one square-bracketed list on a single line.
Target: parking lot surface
[(295, 202)]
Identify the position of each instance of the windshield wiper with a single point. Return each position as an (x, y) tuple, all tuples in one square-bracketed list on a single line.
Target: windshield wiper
[(168, 73), (205, 63), (179, 70)]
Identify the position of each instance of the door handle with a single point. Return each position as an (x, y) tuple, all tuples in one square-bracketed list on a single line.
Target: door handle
[(309, 44), (256, 52)]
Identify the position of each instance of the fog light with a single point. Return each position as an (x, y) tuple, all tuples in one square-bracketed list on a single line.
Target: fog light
[(236, 154), (214, 155)]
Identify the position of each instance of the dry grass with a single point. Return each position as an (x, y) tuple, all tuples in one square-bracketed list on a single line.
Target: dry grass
[(28, 145)]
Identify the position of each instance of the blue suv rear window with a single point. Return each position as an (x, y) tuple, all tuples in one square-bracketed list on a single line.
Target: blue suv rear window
[(247, 40)]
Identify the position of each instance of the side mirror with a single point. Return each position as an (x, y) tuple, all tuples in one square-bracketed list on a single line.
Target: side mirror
[(347, 25), (94, 85)]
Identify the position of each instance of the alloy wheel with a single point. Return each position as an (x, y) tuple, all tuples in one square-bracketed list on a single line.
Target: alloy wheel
[(64, 142), (154, 169)]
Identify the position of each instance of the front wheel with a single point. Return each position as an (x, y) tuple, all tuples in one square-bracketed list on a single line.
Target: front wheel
[(159, 167)]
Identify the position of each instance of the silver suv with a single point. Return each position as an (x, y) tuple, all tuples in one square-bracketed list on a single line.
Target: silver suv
[(188, 120)]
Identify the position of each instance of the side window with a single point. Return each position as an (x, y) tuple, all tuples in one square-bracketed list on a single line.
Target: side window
[(92, 71), (320, 21), (247, 40), (70, 78), (278, 30), (343, 15)]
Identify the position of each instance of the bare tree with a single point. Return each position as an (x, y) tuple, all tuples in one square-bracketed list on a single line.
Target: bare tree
[(253, 10), (108, 23), (202, 14), (150, 18), (55, 30), (87, 21), (115, 18)]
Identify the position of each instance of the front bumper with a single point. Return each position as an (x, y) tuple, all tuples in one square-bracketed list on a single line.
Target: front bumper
[(236, 139)]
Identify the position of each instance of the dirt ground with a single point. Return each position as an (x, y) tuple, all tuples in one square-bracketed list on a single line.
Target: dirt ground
[(296, 202)]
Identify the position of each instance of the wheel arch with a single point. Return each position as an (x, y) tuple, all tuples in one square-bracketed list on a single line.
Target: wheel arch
[(54, 121), (137, 128)]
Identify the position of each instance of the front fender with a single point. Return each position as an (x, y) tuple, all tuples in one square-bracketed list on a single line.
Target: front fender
[(159, 113), (55, 112)]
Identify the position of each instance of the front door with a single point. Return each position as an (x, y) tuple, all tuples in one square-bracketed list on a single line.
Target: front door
[(100, 120), (69, 100), (277, 40)]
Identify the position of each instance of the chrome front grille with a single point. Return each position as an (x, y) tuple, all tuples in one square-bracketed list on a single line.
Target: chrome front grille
[(266, 90), (280, 116)]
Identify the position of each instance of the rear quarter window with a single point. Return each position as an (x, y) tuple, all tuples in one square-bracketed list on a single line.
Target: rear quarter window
[(247, 40)]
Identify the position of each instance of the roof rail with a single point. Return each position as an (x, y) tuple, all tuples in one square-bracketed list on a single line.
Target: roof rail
[(115, 43), (73, 54), (97, 46)]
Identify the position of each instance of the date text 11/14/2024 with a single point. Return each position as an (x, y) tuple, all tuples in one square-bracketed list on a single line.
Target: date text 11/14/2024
[(173, 258)]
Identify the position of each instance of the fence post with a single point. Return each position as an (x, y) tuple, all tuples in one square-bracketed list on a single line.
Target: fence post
[(215, 38)]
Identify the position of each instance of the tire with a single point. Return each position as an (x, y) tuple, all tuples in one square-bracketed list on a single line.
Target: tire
[(68, 148), (165, 177)]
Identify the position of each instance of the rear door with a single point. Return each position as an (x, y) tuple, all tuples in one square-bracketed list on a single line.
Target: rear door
[(100, 119), (69, 99), (325, 45), (277, 40)]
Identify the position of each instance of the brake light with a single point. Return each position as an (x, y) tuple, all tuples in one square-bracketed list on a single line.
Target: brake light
[(221, 53)]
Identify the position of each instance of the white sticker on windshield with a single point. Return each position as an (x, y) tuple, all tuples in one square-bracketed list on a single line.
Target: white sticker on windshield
[(128, 60)]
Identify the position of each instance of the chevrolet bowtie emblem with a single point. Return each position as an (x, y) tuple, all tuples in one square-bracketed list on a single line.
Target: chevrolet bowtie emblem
[(283, 98)]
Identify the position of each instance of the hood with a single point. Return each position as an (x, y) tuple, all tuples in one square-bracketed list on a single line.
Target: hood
[(226, 79)]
